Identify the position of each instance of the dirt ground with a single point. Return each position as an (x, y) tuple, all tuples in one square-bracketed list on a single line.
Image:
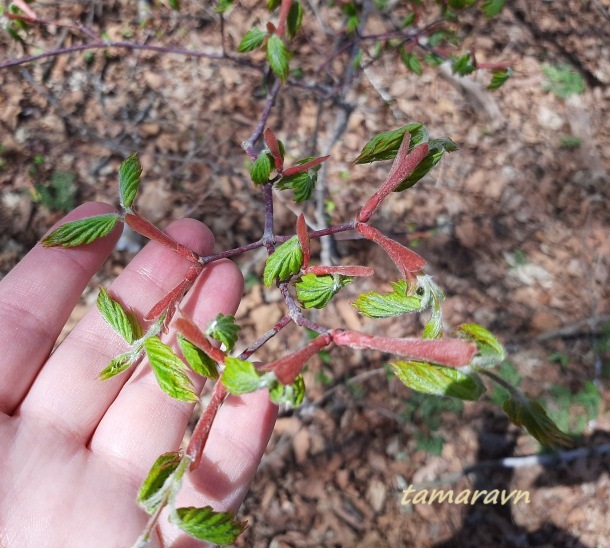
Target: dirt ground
[(514, 226)]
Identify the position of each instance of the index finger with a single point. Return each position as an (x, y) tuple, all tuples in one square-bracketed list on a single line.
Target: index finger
[(36, 300)]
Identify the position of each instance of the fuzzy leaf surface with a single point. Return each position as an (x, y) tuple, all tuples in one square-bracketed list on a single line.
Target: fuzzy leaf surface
[(117, 365), (438, 380), (261, 169), (169, 370), (530, 414), (302, 184), (490, 349), (122, 321), (285, 261), (277, 57), (81, 232), (241, 377), (396, 303), (317, 291), (198, 360), (151, 493), (224, 329), (129, 180), (253, 39), (205, 524)]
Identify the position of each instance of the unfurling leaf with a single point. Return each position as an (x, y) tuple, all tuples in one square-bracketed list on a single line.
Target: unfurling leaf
[(129, 180), (499, 78), (122, 321), (436, 150), (384, 146), (440, 381), (285, 261), (224, 329), (151, 491), (169, 370), (118, 365), (241, 377), (490, 350), (530, 414), (261, 169), (288, 394), (294, 19), (174, 4), (377, 305), (253, 39), (81, 232), (206, 524), (316, 291), (199, 361), (277, 57), (302, 184)]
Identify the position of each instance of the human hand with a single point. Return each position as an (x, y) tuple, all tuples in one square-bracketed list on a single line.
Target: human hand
[(73, 449)]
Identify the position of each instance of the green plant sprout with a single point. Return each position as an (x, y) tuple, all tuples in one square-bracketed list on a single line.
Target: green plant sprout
[(461, 365)]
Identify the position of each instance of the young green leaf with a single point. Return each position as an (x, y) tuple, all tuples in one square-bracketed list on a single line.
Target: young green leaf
[(118, 365), (206, 524), (129, 180), (491, 8), (434, 379), (273, 4), (384, 146), (152, 489), (291, 395), (490, 350), (411, 62), (285, 261), (199, 361), (463, 66), (224, 329), (241, 377), (301, 183), (277, 57), (436, 150), (295, 19), (316, 291), (261, 169), (530, 414), (169, 370), (499, 78), (224, 6), (253, 39), (122, 321), (174, 4), (377, 305), (81, 232)]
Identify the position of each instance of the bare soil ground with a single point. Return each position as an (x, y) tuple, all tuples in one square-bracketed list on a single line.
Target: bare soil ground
[(515, 228)]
